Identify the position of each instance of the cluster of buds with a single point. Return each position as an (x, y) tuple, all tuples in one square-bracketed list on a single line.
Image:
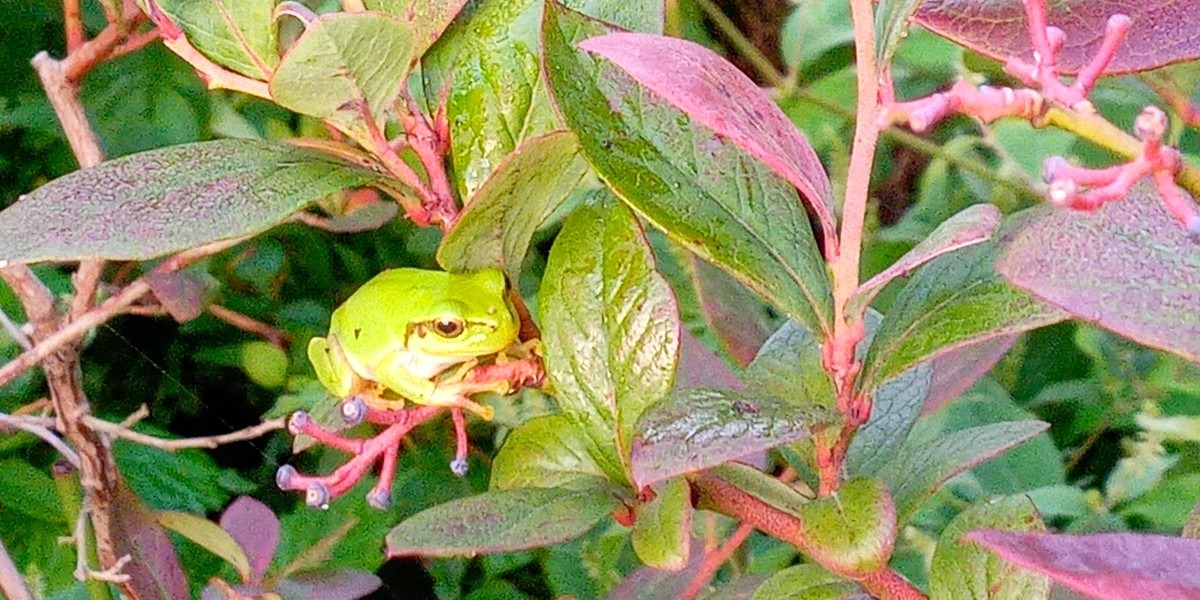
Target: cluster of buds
[(1075, 187), (384, 447)]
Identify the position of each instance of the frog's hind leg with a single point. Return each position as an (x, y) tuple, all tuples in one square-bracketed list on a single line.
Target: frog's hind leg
[(395, 375)]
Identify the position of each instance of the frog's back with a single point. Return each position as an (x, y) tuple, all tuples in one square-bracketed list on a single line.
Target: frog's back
[(394, 296)]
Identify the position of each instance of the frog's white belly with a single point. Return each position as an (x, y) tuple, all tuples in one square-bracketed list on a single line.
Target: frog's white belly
[(425, 366)]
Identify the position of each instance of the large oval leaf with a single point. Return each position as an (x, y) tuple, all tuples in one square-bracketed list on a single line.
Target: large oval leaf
[(962, 569), (852, 533), (344, 67), (714, 93), (956, 300), (544, 452), (499, 221), (1127, 266), (1115, 566), (153, 203), (502, 521), (696, 429), (693, 183), (1162, 31), (611, 328)]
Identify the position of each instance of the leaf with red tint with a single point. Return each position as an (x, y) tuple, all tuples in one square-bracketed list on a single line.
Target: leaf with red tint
[(699, 367), (154, 571), (1162, 31), (1128, 267), (715, 93), (956, 371), (737, 317), (256, 530), (183, 294), (1113, 566)]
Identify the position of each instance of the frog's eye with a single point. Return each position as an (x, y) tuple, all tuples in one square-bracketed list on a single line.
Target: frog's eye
[(448, 328)]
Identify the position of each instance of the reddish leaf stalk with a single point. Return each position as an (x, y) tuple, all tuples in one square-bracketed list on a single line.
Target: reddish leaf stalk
[(80, 61), (838, 352), (431, 142), (712, 493), (73, 25), (214, 76), (276, 336)]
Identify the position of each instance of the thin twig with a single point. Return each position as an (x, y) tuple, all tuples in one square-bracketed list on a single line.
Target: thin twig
[(11, 583), (713, 561), (31, 425), (211, 441), (276, 336), (14, 331), (16, 276)]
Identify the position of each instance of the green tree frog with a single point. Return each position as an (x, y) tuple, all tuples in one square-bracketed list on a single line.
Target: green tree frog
[(398, 336)]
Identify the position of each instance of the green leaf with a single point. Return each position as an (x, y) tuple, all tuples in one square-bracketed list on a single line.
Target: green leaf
[(662, 534), (953, 301), (1033, 464), (696, 429), (502, 521), (600, 287), (702, 189), (891, 25), (895, 407), (805, 582), (1128, 266), (929, 459), (28, 491), (964, 570), (788, 367), (970, 226), (764, 487), (853, 532), (544, 452), (209, 536), (162, 201), (237, 34), (345, 67), (497, 97), (738, 318), (501, 217), (426, 18)]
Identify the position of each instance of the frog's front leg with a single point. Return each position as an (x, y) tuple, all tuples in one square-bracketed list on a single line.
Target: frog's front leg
[(333, 370), (395, 375)]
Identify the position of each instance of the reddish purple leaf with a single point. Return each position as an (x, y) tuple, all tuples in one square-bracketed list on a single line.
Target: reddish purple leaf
[(155, 572), (256, 529), (1113, 566), (1162, 32), (699, 367), (734, 314), (183, 294), (956, 371), (648, 583), (1128, 267), (328, 584), (715, 93)]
